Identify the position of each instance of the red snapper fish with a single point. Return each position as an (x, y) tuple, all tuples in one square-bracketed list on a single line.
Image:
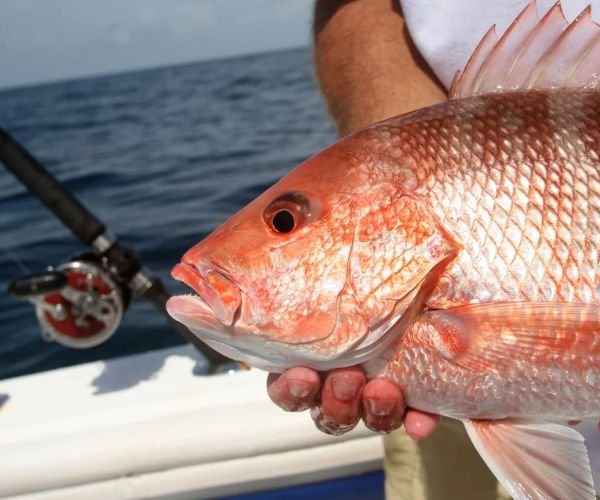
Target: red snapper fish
[(453, 250)]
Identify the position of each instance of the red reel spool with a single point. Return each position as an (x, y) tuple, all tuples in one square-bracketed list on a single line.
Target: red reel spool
[(86, 312)]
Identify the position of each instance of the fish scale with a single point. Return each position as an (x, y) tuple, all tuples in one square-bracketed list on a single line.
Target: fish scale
[(521, 240), (514, 221)]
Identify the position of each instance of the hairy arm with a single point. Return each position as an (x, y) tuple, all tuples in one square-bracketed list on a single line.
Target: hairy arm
[(366, 64), (368, 71)]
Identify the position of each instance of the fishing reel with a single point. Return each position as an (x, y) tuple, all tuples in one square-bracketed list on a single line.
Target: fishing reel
[(81, 303), (78, 304)]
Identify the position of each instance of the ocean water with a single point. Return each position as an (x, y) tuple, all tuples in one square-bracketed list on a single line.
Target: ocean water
[(161, 157)]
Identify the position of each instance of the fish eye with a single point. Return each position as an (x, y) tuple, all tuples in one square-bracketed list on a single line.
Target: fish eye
[(283, 221), (287, 212)]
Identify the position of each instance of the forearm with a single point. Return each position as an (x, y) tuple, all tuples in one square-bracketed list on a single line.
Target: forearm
[(366, 64)]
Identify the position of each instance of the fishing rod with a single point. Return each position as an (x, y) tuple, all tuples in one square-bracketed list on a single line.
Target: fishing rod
[(81, 303)]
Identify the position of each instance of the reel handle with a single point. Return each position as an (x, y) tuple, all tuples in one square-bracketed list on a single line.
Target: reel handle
[(33, 285)]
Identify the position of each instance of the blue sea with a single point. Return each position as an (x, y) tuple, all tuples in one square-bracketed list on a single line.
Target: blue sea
[(162, 157)]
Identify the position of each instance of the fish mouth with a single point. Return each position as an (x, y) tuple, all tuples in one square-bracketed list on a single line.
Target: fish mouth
[(213, 315), (216, 293)]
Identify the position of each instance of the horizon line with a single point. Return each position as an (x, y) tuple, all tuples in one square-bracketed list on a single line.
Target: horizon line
[(141, 69)]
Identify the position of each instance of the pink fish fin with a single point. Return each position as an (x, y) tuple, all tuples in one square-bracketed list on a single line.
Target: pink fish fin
[(543, 37), (535, 54), (488, 65), (463, 82), (572, 60), (496, 69), (533, 459), (493, 336)]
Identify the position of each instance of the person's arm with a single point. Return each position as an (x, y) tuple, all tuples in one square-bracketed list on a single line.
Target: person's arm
[(366, 64), (368, 70)]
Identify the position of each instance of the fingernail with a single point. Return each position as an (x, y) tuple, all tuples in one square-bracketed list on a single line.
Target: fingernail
[(380, 408), (299, 388), (344, 388), (334, 429), (383, 432), (327, 426)]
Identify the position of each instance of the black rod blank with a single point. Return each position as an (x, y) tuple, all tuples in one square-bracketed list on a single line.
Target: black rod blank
[(52, 193)]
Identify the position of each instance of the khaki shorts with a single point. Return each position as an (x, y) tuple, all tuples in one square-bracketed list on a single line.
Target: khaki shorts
[(445, 466)]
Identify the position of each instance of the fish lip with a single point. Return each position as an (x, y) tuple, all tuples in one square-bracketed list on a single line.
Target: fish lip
[(213, 287), (189, 275)]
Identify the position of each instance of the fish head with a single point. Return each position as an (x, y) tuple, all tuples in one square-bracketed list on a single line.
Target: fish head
[(284, 282)]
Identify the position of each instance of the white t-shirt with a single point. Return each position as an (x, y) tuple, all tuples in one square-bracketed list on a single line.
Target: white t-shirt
[(447, 31)]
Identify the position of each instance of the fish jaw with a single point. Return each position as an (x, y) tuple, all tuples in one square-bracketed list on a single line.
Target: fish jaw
[(195, 313), (245, 342), (240, 343), (199, 318), (215, 289)]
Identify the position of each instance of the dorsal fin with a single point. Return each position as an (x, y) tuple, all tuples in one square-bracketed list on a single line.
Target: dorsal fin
[(534, 54)]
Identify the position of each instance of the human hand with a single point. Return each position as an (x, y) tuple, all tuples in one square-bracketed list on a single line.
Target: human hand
[(343, 397)]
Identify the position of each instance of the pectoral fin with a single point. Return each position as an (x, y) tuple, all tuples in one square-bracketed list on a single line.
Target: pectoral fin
[(534, 460), (493, 336)]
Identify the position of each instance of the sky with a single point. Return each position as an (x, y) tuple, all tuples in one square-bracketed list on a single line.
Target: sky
[(50, 40)]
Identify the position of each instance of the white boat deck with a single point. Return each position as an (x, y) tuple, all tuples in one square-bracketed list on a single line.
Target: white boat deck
[(145, 426)]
